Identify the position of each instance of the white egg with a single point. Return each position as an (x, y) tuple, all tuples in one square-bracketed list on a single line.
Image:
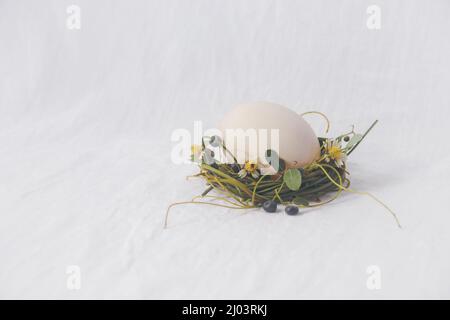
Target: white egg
[(297, 143)]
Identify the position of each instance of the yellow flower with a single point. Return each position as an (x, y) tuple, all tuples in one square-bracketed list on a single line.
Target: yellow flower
[(334, 152), (196, 148), (250, 167), (196, 151)]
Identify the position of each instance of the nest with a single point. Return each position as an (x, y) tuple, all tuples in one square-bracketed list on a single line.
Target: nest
[(316, 181), (243, 186)]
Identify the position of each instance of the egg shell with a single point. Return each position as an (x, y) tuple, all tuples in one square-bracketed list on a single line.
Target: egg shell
[(298, 145)]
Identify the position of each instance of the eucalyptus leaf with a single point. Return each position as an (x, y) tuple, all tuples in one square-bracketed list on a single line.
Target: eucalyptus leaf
[(354, 140), (293, 179), (300, 201)]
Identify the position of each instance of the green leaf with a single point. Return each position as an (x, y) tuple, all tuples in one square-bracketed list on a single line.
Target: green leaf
[(354, 140), (300, 201), (293, 179)]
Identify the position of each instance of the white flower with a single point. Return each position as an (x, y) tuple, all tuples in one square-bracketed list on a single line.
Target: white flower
[(334, 152)]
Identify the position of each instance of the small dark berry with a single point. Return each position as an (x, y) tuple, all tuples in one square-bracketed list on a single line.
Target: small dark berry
[(270, 206), (208, 157), (346, 138), (291, 210), (210, 152)]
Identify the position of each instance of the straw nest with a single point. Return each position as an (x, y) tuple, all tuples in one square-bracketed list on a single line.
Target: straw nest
[(243, 186)]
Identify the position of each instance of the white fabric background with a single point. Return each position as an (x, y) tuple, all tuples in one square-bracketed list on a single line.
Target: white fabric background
[(85, 123)]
